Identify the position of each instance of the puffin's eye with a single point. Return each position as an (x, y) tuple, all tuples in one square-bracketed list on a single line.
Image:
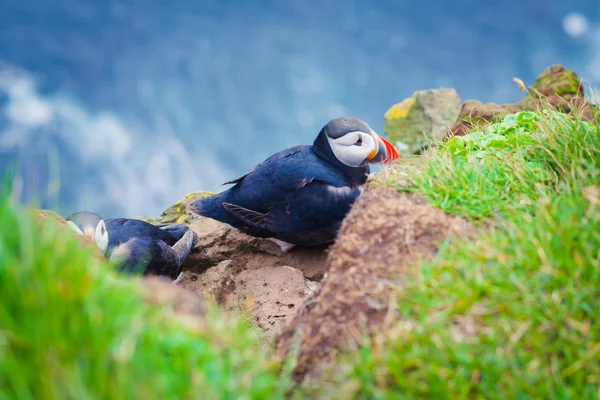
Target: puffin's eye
[(358, 141)]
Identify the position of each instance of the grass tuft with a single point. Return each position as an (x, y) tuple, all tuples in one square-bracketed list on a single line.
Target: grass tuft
[(508, 165), (72, 328)]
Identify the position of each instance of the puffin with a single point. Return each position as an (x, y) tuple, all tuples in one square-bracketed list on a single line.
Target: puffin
[(46, 217), (140, 246), (300, 195)]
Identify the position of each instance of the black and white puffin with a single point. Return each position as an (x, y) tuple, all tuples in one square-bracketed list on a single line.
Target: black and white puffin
[(299, 196), (141, 246)]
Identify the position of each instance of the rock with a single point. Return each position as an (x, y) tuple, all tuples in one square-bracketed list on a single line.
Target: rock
[(219, 242), (555, 87), (382, 239), (427, 114), (271, 296), (557, 80)]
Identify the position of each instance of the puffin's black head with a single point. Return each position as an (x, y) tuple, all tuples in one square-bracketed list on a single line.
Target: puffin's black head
[(354, 143), (91, 225)]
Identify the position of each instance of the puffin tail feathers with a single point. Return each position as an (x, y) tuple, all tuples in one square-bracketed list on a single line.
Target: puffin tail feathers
[(214, 207)]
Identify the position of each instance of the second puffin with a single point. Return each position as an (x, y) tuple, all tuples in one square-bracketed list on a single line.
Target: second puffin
[(301, 195)]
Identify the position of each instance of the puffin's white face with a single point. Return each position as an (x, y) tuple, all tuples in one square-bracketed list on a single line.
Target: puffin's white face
[(355, 144), (101, 236), (353, 148)]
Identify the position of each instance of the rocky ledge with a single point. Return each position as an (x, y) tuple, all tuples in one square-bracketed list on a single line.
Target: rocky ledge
[(247, 274)]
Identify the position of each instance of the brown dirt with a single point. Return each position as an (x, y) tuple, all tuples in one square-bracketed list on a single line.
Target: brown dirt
[(382, 239)]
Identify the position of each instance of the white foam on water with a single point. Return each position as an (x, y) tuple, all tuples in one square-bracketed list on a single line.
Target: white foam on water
[(141, 172)]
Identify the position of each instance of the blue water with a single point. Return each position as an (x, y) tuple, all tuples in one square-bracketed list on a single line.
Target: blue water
[(134, 104)]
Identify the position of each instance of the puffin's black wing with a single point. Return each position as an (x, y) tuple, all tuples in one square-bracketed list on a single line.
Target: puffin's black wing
[(250, 217), (315, 205)]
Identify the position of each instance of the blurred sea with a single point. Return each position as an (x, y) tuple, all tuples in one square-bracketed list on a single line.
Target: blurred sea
[(135, 103)]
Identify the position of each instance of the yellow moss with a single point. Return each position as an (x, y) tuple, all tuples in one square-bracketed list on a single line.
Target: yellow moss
[(400, 110)]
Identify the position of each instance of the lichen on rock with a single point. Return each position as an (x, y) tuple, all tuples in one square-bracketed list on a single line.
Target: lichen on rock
[(177, 212), (426, 115), (557, 80)]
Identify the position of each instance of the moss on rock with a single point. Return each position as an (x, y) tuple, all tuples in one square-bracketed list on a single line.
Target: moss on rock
[(556, 80), (426, 115), (177, 213)]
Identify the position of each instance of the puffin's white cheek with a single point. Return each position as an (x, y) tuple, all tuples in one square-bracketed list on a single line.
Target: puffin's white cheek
[(353, 156), (101, 237)]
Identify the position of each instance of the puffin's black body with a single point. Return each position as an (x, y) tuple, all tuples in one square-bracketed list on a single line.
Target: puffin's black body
[(142, 247), (121, 230), (150, 256), (299, 195), (150, 249)]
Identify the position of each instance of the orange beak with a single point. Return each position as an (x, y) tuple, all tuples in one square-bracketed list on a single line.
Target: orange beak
[(385, 152)]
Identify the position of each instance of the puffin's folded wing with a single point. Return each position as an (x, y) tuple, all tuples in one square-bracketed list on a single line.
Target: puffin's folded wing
[(313, 205), (250, 217)]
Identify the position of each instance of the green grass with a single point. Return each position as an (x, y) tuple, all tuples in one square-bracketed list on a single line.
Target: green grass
[(515, 314), (73, 328), (508, 165)]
